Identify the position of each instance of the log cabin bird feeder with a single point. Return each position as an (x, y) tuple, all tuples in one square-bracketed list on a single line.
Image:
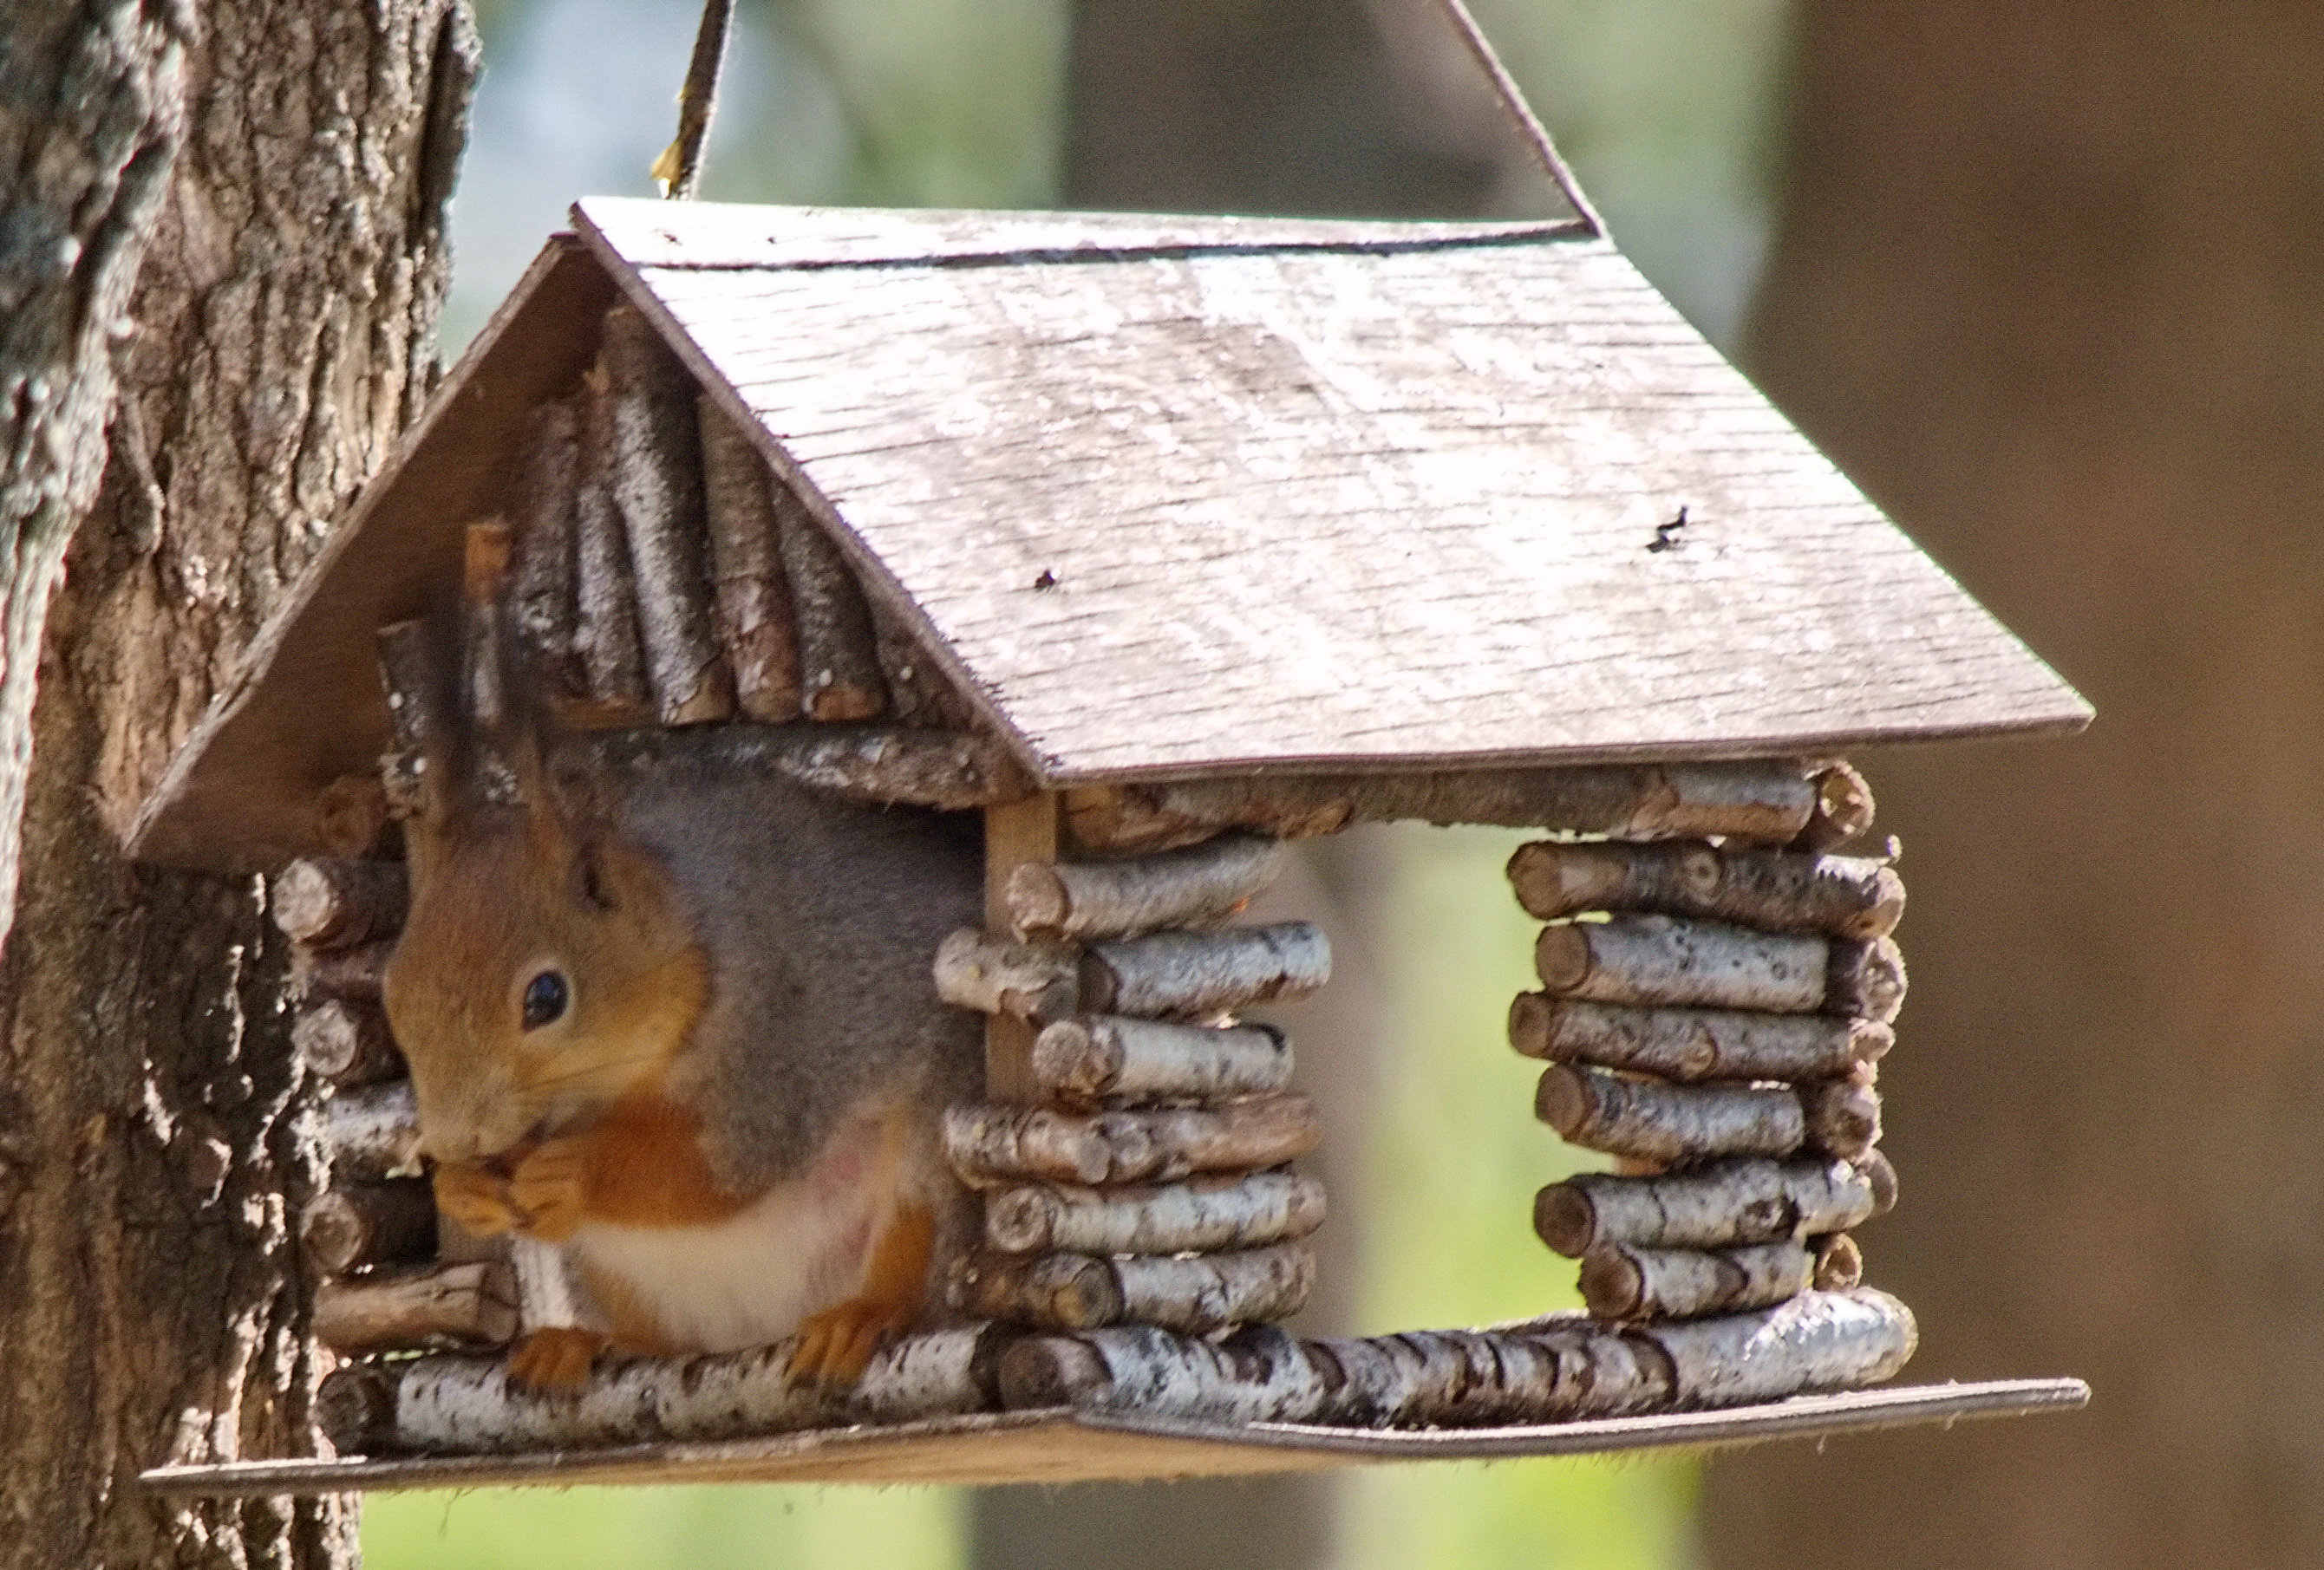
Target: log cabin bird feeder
[(1159, 542)]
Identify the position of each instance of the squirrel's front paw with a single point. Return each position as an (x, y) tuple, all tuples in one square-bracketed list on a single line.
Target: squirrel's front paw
[(475, 1199), (836, 1346), (548, 1187), (554, 1358)]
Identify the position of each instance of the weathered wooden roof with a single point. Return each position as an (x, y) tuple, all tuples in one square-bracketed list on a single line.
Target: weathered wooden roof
[(1174, 497), (1316, 493)]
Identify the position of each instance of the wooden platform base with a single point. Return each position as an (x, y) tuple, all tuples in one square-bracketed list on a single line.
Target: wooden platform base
[(1066, 1446)]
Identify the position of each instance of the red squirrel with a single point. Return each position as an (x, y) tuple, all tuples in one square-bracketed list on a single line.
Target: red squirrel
[(682, 1022)]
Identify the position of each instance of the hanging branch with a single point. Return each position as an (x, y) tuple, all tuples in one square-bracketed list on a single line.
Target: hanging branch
[(679, 168)]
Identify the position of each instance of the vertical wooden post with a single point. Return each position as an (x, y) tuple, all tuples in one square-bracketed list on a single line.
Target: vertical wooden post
[(1015, 832)]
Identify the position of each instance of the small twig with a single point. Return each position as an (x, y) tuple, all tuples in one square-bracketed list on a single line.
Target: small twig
[(679, 168), (1528, 124)]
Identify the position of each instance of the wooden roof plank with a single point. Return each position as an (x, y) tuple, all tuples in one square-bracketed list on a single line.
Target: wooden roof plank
[(1371, 517)]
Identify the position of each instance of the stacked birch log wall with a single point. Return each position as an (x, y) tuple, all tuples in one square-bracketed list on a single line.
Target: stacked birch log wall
[(1713, 1011), (1144, 1179), (662, 577), (371, 1235)]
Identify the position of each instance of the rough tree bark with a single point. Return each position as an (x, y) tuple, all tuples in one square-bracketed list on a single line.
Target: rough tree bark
[(92, 111), (2046, 281), (156, 1138)]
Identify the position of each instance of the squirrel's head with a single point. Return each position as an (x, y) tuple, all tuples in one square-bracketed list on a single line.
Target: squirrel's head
[(547, 969)]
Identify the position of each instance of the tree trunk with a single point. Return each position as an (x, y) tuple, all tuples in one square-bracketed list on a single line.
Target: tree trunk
[(157, 1138), (2046, 281)]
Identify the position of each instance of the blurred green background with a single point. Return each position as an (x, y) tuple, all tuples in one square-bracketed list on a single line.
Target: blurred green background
[(1664, 107)]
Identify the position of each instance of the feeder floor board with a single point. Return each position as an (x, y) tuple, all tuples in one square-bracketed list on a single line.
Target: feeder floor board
[(1062, 1445)]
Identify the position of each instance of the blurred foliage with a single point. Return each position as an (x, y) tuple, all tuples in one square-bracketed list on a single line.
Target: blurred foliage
[(648, 1528), (1456, 1156)]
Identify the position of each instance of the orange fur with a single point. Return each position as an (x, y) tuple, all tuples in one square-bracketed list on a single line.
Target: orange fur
[(836, 1345)]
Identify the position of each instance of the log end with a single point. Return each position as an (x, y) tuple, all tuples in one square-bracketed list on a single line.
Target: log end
[(333, 1231), (1878, 1171), (356, 1408), (1563, 1100), (1553, 880), (1564, 1220), (1561, 958), (1884, 907), (1839, 1263), (1843, 809), (1037, 902), (1020, 1220), (1612, 1285), (351, 815), (1050, 1370), (1532, 1024), (1843, 1117)]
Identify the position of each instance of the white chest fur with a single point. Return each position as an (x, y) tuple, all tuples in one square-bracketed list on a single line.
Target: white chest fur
[(750, 1280)]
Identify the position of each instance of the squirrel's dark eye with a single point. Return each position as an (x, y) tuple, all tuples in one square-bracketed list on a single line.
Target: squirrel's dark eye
[(545, 997)]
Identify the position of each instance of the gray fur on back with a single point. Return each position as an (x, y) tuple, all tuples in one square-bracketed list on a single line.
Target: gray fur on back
[(822, 919)]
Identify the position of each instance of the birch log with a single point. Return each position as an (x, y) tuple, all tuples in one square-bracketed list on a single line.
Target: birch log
[(358, 1226), (1719, 1206), (1110, 899), (1194, 1296), (347, 1044), (864, 762), (1668, 1122), (1551, 1371), (839, 655), (1662, 961), (755, 621), (463, 1405), (540, 594), (1694, 1044), (1029, 981), (1772, 891), (658, 489), (1865, 978), (1109, 1060), (611, 664), (1198, 1215), (990, 1146), (1622, 1283), (372, 1132), (330, 902), (1818, 1341), (453, 1305), (1765, 802), (1194, 974), (1842, 811)]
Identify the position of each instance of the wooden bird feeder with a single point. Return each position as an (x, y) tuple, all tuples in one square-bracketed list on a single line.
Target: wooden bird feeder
[(1158, 541)]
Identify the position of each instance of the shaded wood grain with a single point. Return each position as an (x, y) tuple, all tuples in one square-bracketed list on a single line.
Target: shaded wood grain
[(1054, 1446)]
